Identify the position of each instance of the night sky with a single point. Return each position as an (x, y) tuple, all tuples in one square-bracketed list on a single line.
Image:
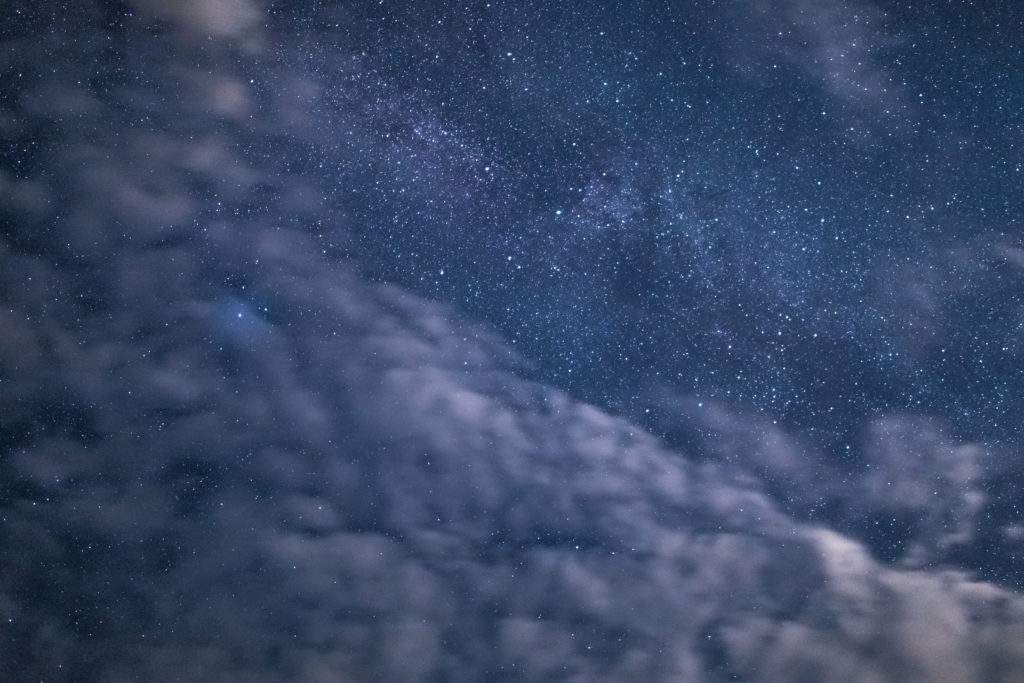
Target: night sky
[(501, 341)]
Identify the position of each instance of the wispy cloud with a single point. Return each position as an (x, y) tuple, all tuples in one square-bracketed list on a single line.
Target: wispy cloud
[(846, 48)]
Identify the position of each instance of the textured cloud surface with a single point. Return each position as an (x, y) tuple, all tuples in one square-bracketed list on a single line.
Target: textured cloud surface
[(376, 495), (227, 454)]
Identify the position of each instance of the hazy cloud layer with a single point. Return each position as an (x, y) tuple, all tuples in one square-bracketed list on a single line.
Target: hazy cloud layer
[(843, 48), (375, 494)]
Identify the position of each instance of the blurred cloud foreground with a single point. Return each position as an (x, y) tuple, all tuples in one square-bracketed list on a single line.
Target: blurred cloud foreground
[(227, 452)]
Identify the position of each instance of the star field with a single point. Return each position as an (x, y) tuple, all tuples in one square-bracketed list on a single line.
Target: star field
[(725, 201)]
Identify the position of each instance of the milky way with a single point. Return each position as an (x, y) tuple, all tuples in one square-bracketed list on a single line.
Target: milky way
[(746, 204), (511, 341)]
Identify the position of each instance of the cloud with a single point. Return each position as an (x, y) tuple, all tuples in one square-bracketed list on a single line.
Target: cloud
[(377, 494), (910, 625), (843, 48), (233, 19), (916, 473), (912, 490)]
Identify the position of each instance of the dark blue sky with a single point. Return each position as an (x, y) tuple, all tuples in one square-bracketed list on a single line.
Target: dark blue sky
[(747, 204)]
